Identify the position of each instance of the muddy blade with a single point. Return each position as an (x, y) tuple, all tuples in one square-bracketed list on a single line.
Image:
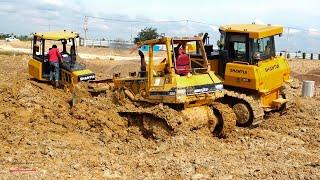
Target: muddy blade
[(150, 124), (227, 120), (89, 90)]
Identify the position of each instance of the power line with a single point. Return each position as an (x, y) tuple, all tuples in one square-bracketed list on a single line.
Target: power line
[(296, 28), (172, 21), (135, 21), (204, 23), (185, 22)]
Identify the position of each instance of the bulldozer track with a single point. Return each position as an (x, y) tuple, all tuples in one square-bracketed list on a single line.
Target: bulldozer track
[(150, 118), (252, 100)]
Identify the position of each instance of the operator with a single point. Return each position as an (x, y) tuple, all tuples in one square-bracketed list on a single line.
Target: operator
[(54, 57), (176, 51), (183, 63), (73, 53), (143, 65), (268, 48)]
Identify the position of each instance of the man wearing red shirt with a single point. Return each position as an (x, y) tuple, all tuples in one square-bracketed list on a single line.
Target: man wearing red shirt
[(182, 63), (54, 56)]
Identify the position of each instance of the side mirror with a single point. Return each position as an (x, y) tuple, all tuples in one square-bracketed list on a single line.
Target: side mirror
[(256, 56)]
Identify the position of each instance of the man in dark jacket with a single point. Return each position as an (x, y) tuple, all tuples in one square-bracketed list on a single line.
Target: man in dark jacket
[(143, 67)]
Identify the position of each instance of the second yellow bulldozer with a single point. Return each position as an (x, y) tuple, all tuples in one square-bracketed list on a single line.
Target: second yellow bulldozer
[(71, 72), (253, 76)]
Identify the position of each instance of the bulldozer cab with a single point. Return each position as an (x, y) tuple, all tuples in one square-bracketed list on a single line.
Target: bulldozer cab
[(179, 60), (247, 43), (175, 75), (180, 57), (42, 43)]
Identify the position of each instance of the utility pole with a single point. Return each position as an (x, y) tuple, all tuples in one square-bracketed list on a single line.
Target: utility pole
[(288, 40), (131, 33), (85, 28), (187, 28)]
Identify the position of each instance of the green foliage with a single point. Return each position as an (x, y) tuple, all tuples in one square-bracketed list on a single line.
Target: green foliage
[(21, 37), (24, 38), (4, 36), (146, 34)]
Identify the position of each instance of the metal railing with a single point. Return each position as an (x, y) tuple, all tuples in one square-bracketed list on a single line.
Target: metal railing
[(299, 55), (119, 44)]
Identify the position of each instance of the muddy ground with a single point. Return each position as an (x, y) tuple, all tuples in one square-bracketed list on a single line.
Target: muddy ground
[(41, 136)]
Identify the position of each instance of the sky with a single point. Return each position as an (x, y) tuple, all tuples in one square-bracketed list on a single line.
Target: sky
[(27, 16)]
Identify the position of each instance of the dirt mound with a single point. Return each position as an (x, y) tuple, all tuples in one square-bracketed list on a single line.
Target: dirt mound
[(306, 70), (99, 115), (309, 77), (303, 66), (313, 75), (106, 68), (315, 72)]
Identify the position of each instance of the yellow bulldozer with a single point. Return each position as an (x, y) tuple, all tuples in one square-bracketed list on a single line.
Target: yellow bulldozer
[(235, 85), (253, 76), (71, 72), (190, 89)]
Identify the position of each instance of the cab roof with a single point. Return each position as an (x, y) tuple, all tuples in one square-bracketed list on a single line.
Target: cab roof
[(57, 35), (255, 31)]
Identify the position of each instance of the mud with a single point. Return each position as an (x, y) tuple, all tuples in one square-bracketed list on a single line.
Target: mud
[(43, 136)]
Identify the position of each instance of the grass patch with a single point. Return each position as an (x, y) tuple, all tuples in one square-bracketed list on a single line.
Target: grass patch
[(13, 53)]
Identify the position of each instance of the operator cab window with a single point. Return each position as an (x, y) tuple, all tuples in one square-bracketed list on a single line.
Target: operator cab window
[(237, 47), (240, 50), (38, 51), (68, 50), (184, 60), (264, 47)]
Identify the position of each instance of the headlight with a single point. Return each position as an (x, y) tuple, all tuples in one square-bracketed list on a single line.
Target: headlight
[(219, 87), (181, 92)]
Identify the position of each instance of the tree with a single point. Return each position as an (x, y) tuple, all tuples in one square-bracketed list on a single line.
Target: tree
[(24, 38), (146, 34), (4, 36)]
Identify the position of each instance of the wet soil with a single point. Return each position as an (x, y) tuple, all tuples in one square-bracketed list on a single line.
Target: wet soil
[(43, 137)]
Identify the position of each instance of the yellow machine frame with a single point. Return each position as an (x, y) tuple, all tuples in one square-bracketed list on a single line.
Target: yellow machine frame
[(170, 87)]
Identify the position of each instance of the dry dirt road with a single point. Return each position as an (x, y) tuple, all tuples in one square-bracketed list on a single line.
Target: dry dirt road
[(41, 136)]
